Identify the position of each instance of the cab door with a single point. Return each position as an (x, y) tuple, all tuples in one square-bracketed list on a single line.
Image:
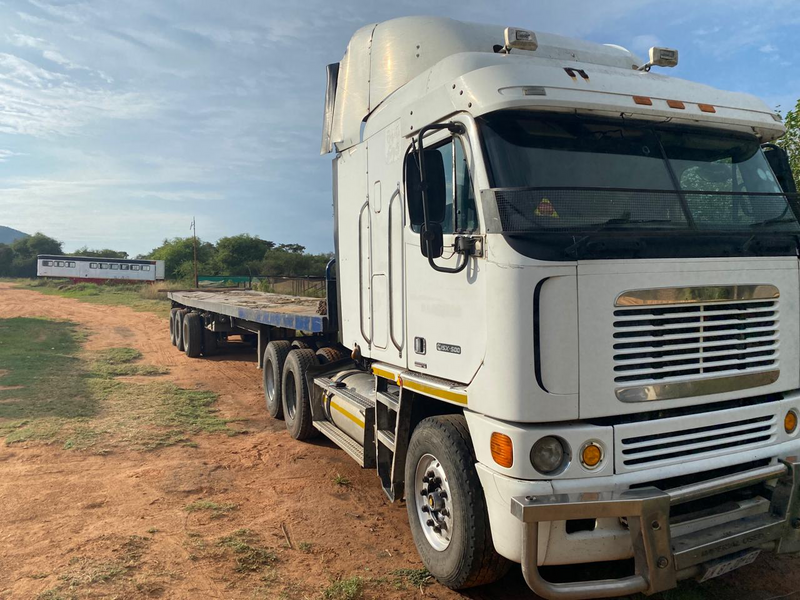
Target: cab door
[(445, 312), (386, 281)]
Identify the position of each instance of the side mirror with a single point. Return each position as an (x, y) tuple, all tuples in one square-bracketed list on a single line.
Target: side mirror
[(434, 178), (778, 159), (431, 237)]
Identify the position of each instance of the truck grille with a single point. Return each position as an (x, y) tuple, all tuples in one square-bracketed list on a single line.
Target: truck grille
[(695, 442), (671, 344), (660, 442)]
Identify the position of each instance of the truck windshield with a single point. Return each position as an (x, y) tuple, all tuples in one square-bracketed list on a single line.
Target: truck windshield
[(566, 173)]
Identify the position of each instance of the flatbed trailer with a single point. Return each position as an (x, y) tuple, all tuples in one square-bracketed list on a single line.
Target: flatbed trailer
[(262, 308), (258, 317)]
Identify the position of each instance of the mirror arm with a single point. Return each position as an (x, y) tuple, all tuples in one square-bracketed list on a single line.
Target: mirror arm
[(453, 128)]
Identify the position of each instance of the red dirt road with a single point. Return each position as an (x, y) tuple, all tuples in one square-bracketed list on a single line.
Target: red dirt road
[(61, 507)]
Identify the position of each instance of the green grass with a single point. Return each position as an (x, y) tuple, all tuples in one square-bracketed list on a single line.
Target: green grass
[(341, 480), (51, 392), (140, 297), (216, 509), (250, 556), (415, 578), (351, 588), (117, 362)]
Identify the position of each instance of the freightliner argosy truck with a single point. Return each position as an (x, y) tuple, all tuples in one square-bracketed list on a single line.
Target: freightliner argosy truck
[(562, 322)]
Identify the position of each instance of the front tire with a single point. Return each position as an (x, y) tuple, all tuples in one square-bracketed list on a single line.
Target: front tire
[(295, 396), (446, 507), (272, 374)]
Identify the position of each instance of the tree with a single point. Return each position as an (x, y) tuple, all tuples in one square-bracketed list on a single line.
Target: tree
[(239, 252), (27, 249), (177, 252), (6, 258), (791, 141), (104, 253)]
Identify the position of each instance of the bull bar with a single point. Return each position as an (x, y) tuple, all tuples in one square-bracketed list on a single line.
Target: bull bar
[(660, 560)]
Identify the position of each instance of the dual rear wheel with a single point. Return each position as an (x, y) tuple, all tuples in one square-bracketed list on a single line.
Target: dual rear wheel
[(188, 333)]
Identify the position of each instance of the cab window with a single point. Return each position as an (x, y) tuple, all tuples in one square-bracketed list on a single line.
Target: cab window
[(451, 198)]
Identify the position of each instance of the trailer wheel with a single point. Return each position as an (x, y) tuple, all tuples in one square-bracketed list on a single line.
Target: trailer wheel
[(179, 341), (329, 355), (173, 316), (192, 334), (210, 342), (295, 396), (272, 373), (446, 506), (300, 345)]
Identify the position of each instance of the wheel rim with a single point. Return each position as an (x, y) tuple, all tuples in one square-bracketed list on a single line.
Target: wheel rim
[(269, 379), (434, 502), (290, 395)]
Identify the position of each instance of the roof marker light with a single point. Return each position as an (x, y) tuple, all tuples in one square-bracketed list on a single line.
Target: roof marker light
[(661, 57), (521, 39), (707, 108), (643, 100), (676, 104)]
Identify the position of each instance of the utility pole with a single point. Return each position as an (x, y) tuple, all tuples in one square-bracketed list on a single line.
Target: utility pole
[(194, 238)]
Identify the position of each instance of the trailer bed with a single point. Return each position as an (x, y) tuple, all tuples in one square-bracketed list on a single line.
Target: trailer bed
[(278, 310)]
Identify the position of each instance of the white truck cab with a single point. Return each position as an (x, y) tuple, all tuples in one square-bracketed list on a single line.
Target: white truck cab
[(570, 288)]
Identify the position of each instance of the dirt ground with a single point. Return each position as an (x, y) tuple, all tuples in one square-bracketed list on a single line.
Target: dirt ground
[(58, 506)]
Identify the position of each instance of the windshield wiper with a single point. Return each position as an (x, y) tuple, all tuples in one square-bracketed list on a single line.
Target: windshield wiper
[(773, 221), (625, 220)]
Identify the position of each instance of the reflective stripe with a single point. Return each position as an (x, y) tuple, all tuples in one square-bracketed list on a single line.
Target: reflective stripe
[(384, 374), (353, 418), (449, 395)]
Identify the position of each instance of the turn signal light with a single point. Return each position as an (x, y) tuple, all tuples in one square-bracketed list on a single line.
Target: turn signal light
[(591, 455), (502, 449), (790, 422)]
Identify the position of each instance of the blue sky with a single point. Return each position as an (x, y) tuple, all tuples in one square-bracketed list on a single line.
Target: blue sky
[(121, 120)]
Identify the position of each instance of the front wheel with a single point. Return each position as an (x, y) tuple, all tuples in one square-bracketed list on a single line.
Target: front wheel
[(446, 507)]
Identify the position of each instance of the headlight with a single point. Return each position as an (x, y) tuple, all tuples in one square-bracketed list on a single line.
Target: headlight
[(548, 454)]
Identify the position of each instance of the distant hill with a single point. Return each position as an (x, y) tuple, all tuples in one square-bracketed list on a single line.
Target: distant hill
[(8, 235)]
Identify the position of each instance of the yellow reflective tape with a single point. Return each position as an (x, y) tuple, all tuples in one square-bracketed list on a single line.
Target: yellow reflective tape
[(384, 374), (450, 396), (353, 418)]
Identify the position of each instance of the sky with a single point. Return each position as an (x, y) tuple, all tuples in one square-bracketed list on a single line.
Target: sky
[(119, 121)]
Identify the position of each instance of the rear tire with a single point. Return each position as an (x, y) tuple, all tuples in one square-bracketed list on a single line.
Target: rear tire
[(295, 396), (272, 375), (179, 329), (329, 355), (192, 335), (461, 553), (173, 315), (210, 342)]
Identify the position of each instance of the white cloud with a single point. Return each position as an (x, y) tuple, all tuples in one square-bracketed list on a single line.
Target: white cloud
[(768, 49), (6, 154), (643, 43)]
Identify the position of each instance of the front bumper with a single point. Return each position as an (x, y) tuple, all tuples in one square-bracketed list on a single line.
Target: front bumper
[(661, 559)]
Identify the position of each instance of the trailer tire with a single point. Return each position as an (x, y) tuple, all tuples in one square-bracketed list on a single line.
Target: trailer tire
[(173, 316), (329, 355), (192, 334), (179, 342), (295, 394), (467, 558), (300, 345), (272, 375), (210, 342)]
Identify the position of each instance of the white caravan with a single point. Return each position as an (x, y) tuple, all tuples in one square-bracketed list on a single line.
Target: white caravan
[(97, 269), (568, 288)]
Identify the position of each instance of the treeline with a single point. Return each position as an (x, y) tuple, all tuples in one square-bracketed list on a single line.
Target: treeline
[(235, 255), (241, 254)]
